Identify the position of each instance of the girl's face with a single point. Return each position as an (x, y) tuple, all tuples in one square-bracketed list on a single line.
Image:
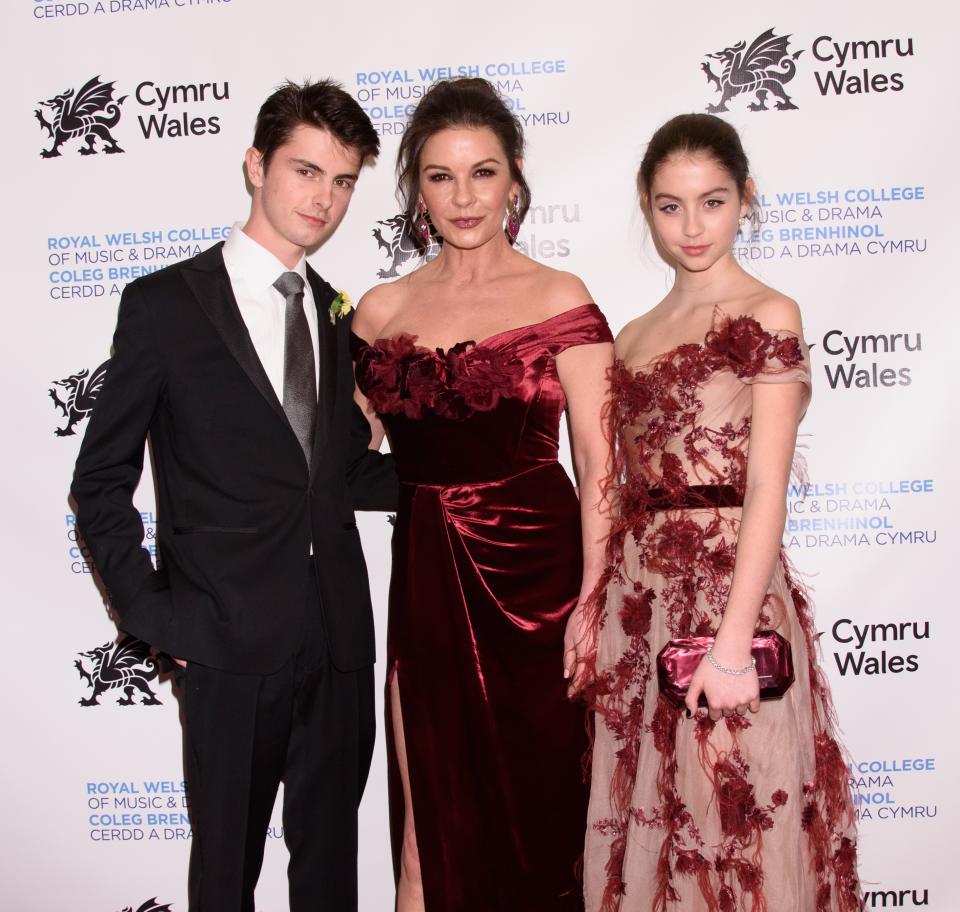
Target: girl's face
[(695, 208), (465, 184)]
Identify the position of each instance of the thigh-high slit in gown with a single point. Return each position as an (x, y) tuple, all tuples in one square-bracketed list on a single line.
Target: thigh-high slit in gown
[(751, 813), (487, 567)]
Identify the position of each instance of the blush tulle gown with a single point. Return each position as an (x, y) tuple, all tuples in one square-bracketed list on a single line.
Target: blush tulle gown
[(751, 813)]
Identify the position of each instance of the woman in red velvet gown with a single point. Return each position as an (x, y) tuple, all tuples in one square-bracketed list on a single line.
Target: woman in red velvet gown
[(743, 806), (469, 362)]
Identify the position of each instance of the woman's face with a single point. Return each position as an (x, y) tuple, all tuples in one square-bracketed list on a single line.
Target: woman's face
[(466, 186), (695, 208)]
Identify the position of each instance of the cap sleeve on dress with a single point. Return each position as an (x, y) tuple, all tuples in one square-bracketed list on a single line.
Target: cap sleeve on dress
[(759, 355), (584, 325)]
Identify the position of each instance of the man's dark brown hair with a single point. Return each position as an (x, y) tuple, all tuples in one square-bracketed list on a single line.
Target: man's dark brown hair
[(321, 104)]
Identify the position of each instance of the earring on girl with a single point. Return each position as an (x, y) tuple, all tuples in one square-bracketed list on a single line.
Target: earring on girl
[(513, 219), (421, 225), (744, 221)]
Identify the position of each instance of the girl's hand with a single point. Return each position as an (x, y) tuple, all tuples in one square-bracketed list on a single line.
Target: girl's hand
[(579, 649), (726, 693)]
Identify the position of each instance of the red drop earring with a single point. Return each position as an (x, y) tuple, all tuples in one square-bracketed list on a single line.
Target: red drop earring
[(513, 219), (422, 224)]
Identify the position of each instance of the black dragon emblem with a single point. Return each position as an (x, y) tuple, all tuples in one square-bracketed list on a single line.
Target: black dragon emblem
[(89, 113), (125, 665), (151, 905), (80, 391), (764, 67), (400, 247)]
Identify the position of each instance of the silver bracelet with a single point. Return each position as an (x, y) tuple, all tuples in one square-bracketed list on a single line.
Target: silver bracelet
[(730, 671)]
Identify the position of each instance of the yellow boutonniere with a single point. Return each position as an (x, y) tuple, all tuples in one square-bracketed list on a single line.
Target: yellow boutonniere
[(340, 306)]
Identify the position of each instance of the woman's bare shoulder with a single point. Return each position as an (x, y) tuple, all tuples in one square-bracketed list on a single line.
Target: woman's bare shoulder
[(773, 311), (377, 307), (630, 337), (557, 291)]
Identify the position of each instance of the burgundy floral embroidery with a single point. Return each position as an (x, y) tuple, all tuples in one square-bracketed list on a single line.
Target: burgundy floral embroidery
[(399, 376), (636, 613), (735, 798), (679, 542), (665, 451), (747, 348)]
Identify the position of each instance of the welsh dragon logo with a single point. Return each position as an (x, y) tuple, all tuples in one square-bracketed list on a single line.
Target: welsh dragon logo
[(761, 69), (125, 665), (399, 246), (80, 393), (151, 905), (90, 113)]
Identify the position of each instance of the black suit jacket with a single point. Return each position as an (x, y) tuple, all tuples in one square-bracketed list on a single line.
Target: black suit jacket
[(238, 507)]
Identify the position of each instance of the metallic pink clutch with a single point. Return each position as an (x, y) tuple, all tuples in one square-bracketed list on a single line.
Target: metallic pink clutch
[(678, 660)]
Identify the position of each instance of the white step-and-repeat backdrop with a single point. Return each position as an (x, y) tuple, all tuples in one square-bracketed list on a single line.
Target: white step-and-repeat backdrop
[(857, 171)]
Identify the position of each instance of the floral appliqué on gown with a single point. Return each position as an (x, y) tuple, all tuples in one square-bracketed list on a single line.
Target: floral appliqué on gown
[(751, 812)]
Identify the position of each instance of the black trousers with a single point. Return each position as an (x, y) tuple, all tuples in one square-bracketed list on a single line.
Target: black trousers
[(308, 726)]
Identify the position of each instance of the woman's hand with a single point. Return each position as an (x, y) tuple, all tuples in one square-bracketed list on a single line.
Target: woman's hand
[(579, 649), (726, 693)]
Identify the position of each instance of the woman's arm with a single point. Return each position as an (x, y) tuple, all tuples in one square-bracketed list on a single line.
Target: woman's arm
[(583, 376), (377, 432), (373, 311)]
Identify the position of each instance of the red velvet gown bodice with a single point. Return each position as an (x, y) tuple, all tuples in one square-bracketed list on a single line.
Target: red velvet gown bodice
[(487, 566), (479, 411)]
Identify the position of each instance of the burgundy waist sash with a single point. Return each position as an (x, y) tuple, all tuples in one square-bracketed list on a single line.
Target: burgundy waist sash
[(693, 497)]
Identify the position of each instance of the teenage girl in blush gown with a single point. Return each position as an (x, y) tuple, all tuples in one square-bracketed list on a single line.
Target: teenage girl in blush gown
[(470, 362), (743, 806)]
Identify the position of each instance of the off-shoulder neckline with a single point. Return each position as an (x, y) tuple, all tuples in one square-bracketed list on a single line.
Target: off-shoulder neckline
[(485, 342), (699, 346)]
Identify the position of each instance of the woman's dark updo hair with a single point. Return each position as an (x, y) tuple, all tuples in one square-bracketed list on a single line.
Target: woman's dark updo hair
[(690, 134), (472, 103)]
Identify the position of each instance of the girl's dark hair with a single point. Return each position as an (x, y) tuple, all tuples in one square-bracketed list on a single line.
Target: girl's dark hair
[(321, 104), (688, 134), (472, 103)]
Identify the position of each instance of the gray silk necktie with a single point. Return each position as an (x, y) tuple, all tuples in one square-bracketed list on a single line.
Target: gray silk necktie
[(299, 374)]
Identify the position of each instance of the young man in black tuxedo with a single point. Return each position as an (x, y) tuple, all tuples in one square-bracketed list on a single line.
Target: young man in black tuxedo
[(236, 363)]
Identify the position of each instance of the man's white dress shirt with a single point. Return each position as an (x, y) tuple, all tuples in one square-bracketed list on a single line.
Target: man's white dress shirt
[(253, 270)]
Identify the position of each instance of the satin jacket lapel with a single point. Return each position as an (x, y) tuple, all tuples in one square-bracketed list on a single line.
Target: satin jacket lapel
[(327, 354), (210, 284)]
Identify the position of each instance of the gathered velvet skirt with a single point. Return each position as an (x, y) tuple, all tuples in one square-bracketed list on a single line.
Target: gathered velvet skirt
[(485, 577)]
